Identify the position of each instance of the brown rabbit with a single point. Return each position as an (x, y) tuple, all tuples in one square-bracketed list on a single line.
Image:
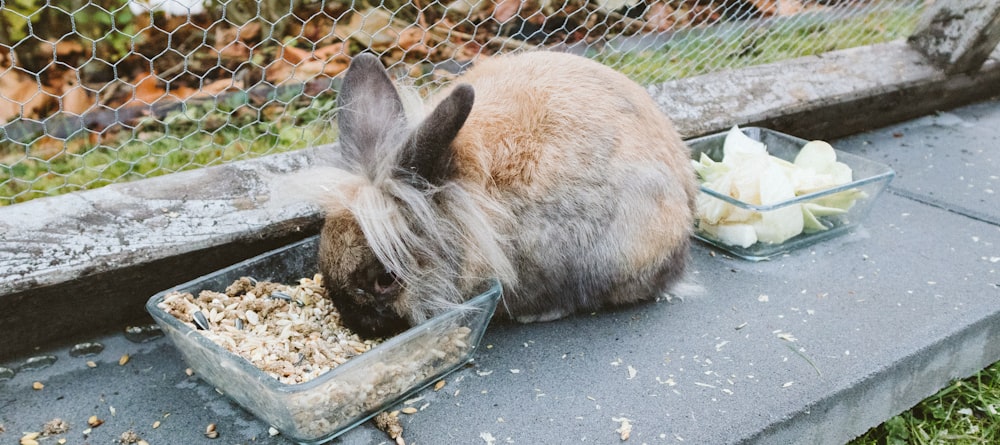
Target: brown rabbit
[(549, 171)]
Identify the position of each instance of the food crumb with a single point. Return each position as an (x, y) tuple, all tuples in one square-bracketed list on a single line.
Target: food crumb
[(29, 438), (123, 360), (37, 386), (55, 426), (94, 422), (389, 422), (625, 429), (211, 432), (129, 437), (91, 364), (272, 431), (488, 438)]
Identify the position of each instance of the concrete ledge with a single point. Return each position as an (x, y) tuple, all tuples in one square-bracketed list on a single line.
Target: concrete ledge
[(86, 262)]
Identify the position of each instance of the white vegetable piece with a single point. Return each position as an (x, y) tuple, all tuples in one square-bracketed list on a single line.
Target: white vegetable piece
[(733, 234), (748, 173)]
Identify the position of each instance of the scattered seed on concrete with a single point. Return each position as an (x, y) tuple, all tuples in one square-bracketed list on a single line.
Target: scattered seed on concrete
[(29, 438), (625, 427), (123, 360), (389, 422), (37, 386), (129, 437), (440, 384), (54, 427), (94, 422), (211, 432), (91, 364), (409, 410)]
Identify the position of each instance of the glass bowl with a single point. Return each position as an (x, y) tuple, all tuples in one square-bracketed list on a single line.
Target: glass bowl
[(870, 179), (346, 396)]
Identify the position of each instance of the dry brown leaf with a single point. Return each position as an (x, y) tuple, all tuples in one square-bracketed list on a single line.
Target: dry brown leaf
[(412, 39), (789, 7), (294, 55), (506, 9), (373, 28), (660, 17), (332, 51), (230, 42), (67, 47), (279, 71), (768, 8), (146, 89), (21, 96), (75, 99), (220, 86), (182, 92), (334, 67)]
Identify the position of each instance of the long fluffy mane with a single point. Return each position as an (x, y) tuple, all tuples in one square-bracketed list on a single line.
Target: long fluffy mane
[(440, 241)]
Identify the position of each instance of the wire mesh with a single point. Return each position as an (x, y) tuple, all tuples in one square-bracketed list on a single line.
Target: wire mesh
[(100, 91)]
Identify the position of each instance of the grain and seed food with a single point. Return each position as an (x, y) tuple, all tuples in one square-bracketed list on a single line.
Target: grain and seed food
[(293, 333), (290, 332)]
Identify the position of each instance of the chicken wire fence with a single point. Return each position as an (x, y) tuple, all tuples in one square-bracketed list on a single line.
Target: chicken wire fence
[(100, 91)]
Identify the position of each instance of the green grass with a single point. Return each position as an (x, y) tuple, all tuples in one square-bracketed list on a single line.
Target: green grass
[(966, 412), (203, 135), (192, 137), (700, 51)]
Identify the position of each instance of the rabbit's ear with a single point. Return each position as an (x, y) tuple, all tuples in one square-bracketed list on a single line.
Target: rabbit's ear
[(367, 104), (428, 154)]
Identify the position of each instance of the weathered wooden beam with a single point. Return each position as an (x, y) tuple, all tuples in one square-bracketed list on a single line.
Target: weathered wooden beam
[(958, 35), (826, 96)]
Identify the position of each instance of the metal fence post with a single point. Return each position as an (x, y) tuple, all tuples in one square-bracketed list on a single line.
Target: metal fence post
[(958, 35)]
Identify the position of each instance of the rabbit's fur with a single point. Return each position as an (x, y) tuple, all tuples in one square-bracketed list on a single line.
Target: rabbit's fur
[(551, 172)]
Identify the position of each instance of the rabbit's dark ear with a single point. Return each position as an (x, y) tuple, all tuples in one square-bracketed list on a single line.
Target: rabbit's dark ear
[(367, 104), (428, 155)]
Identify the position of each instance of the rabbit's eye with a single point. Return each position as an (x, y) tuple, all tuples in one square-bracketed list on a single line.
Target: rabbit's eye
[(386, 282)]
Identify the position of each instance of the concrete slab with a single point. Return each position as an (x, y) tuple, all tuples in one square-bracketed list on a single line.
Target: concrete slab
[(813, 347), (949, 159)]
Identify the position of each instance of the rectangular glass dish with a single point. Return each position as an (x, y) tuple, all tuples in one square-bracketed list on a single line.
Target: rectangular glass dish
[(869, 180), (346, 396)]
